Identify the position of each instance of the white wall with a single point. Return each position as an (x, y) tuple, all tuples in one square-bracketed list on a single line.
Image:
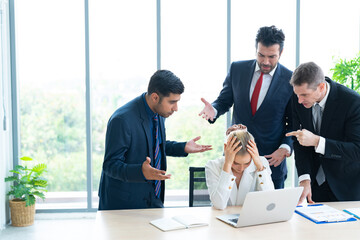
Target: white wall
[(5, 112)]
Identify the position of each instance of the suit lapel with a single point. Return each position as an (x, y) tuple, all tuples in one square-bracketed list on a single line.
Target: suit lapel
[(249, 76), (330, 107), (145, 124)]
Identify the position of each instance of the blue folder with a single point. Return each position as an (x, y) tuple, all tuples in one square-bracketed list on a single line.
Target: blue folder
[(350, 219)]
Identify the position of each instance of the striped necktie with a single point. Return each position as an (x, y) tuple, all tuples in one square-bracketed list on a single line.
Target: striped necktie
[(157, 154), (320, 176)]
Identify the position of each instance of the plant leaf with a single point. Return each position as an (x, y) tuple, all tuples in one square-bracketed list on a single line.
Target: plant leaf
[(11, 178), (19, 167), (39, 168), (29, 199), (39, 194), (26, 158), (41, 183)]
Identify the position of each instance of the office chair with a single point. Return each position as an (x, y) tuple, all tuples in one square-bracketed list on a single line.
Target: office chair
[(198, 192)]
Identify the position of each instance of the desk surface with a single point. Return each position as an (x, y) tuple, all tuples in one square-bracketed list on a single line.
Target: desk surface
[(134, 224)]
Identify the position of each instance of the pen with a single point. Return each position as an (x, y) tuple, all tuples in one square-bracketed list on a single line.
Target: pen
[(300, 127)]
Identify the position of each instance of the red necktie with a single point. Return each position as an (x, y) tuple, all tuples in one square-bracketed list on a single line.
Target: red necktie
[(255, 96)]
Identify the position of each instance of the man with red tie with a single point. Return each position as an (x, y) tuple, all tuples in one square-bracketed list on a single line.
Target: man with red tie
[(259, 91)]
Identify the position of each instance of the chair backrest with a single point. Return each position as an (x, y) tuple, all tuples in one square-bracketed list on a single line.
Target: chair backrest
[(198, 192)]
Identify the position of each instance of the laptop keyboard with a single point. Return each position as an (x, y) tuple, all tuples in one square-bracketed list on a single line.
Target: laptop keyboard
[(234, 220)]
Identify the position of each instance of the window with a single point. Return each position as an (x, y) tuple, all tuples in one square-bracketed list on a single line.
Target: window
[(247, 18), (122, 60), (335, 33), (51, 73), (194, 48)]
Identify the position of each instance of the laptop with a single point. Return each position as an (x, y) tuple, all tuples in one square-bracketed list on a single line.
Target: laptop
[(265, 207)]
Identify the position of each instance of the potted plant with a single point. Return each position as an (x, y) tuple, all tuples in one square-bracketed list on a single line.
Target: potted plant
[(28, 183), (347, 72)]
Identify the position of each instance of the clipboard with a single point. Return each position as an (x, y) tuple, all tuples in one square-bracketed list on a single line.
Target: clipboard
[(321, 213), (353, 211)]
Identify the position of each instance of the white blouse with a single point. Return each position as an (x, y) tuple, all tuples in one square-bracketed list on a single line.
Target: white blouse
[(223, 189)]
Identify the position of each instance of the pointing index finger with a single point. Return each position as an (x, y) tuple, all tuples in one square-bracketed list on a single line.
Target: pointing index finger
[(293, 133)]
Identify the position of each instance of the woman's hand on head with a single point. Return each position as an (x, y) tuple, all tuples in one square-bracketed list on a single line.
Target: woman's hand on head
[(231, 148), (254, 153)]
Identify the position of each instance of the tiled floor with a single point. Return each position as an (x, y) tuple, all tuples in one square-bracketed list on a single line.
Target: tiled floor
[(55, 226)]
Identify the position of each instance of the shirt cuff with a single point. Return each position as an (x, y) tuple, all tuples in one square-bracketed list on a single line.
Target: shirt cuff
[(216, 112), (227, 180), (304, 177), (321, 146), (285, 146), (261, 176)]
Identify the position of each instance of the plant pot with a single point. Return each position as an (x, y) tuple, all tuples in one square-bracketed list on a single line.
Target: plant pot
[(21, 216)]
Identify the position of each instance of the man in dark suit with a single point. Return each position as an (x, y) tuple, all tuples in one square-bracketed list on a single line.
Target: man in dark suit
[(134, 167), (260, 91), (327, 144)]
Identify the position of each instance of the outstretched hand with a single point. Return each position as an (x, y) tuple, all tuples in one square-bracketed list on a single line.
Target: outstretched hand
[(192, 147), (208, 112), (151, 173)]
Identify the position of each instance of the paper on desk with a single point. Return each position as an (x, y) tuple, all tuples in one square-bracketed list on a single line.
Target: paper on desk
[(323, 213), (178, 222), (167, 224)]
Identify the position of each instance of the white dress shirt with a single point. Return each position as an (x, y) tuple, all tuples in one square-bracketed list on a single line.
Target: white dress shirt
[(222, 186), (267, 78), (321, 146)]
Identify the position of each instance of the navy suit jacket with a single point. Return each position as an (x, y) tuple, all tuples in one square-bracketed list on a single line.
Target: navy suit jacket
[(128, 143), (271, 120), (340, 126)]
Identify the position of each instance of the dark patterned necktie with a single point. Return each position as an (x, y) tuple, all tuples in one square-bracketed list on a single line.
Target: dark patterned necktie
[(157, 155)]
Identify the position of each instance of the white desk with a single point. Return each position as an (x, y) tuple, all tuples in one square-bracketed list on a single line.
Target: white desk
[(134, 224)]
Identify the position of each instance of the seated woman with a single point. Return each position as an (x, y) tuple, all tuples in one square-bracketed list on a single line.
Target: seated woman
[(240, 171)]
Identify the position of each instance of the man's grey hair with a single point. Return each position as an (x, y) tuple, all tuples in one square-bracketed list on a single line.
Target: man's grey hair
[(309, 73)]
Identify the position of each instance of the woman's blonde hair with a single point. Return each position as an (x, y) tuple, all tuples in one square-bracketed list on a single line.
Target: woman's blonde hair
[(243, 136)]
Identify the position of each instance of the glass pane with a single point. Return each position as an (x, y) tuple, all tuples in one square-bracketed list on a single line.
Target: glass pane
[(50, 70), (122, 60), (330, 33), (246, 19), (194, 48)]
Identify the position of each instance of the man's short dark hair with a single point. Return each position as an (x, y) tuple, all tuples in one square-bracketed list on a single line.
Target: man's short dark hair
[(269, 36), (309, 73), (164, 82)]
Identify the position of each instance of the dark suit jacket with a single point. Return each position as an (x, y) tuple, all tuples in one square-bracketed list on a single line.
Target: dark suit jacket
[(340, 126), (268, 125), (128, 143)]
